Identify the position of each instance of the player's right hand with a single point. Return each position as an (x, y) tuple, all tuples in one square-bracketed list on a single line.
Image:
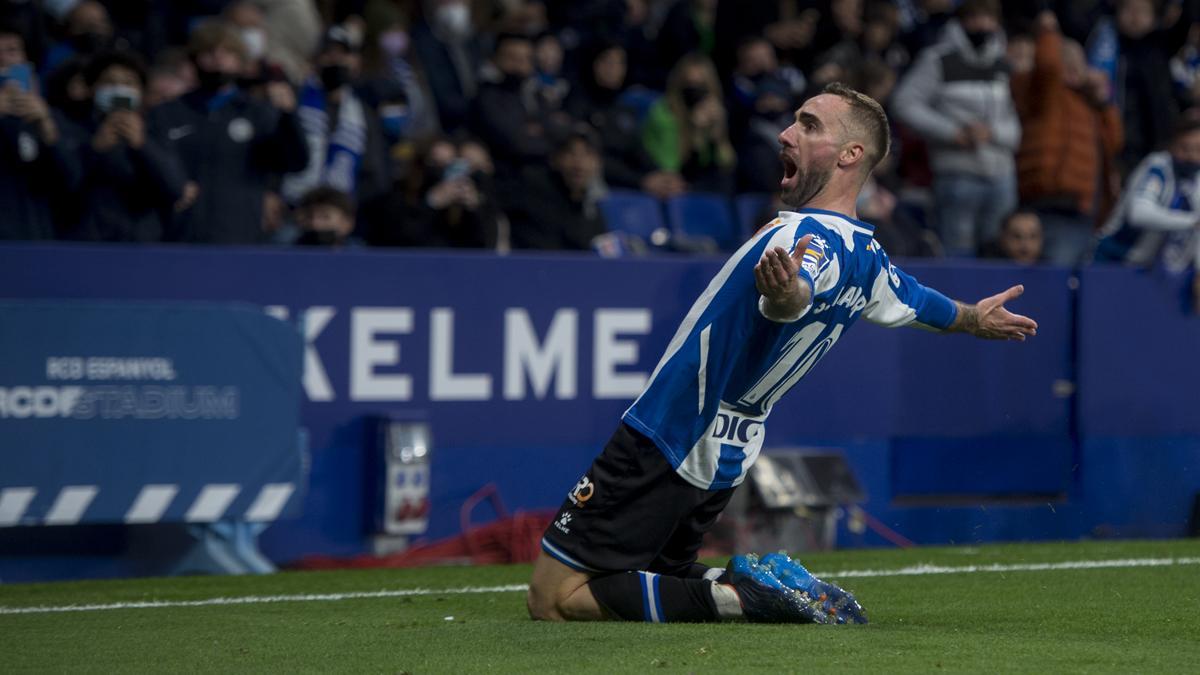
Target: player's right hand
[(775, 275)]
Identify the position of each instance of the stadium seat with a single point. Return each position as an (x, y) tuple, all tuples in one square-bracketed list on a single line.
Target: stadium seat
[(704, 215), (632, 212), (749, 208)]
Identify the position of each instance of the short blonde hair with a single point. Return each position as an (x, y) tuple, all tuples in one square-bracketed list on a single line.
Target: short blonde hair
[(867, 115)]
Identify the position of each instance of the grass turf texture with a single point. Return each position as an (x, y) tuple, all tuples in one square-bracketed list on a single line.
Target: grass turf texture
[(1080, 620)]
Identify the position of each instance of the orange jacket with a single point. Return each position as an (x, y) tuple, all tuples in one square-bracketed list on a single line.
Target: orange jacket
[(1068, 145)]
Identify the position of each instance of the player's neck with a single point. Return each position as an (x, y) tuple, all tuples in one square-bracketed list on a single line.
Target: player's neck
[(844, 203)]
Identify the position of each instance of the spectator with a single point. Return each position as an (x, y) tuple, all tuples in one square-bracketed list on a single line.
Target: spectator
[(763, 98), (171, 76), (559, 210), (67, 91), (232, 147), (1155, 221), (345, 140), (38, 154), (86, 27), (1071, 136), (789, 25), (1135, 51), (448, 202), (1020, 239), (27, 20), (880, 35), (957, 97), (131, 182), (551, 87), (685, 132), (931, 19), (326, 218), (249, 20), (395, 79), (689, 27), (445, 46), (599, 102), (293, 35), (506, 114)]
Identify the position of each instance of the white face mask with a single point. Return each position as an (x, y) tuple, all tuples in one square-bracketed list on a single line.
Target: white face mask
[(255, 40), (110, 97), (456, 19)]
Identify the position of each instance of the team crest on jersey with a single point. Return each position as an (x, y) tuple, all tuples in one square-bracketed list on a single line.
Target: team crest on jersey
[(582, 491), (815, 257)]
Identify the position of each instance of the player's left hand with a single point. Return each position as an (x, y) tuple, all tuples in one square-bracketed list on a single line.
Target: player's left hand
[(775, 274), (776, 278), (997, 323)]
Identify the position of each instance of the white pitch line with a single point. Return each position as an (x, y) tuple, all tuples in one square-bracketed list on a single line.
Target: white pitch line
[(926, 569), (264, 599), (914, 570)]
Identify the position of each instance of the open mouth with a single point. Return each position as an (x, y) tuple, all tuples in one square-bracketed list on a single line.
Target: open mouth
[(789, 168)]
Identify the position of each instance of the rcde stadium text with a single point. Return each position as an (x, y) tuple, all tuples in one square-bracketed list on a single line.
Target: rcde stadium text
[(532, 366)]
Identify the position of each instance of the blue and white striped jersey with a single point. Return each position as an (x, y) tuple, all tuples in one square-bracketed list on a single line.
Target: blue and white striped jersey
[(727, 365), (1155, 220)]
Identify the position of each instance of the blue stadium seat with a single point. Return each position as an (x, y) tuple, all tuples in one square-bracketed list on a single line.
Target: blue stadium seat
[(704, 215), (632, 212), (750, 207)]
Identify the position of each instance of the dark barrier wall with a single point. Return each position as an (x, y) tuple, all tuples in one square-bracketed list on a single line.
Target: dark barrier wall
[(523, 364)]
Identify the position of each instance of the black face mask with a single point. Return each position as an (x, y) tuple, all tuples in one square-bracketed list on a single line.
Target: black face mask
[(334, 77), (978, 37), (318, 238), (89, 43), (692, 96), (512, 82), (212, 81), (1185, 170)]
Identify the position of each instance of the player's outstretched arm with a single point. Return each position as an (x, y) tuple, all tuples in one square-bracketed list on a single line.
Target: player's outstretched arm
[(988, 319), (776, 277)]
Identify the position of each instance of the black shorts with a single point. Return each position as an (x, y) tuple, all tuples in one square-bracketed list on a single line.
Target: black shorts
[(631, 511)]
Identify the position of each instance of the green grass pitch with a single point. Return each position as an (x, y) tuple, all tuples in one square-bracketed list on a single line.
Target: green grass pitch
[(1120, 619)]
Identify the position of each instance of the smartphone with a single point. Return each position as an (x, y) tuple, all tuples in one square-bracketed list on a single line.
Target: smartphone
[(21, 73), (459, 168), (122, 102)]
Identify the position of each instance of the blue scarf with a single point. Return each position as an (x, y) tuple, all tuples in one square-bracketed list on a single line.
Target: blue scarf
[(334, 156)]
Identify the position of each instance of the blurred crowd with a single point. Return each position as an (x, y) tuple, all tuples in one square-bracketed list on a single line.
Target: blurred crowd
[(1033, 131)]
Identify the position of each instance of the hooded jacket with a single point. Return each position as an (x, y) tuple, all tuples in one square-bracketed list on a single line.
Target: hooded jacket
[(952, 85)]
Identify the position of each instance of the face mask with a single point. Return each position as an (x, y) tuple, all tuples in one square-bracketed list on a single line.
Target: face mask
[(318, 238), (334, 77), (454, 19), (511, 81), (978, 37), (89, 43), (255, 40), (1185, 170), (692, 96), (213, 81), (394, 43), (112, 97), (394, 120)]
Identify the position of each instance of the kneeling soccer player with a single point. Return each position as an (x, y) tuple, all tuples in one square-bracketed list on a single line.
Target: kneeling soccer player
[(625, 542)]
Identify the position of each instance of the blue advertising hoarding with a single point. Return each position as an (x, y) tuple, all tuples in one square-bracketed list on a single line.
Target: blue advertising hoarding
[(147, 412)]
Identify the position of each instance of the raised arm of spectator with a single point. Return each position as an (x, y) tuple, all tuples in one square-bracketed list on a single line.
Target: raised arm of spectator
[(1047, 76), (912, 100), (284, 149)]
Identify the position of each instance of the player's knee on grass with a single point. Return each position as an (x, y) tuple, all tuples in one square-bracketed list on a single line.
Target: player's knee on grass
[(541, 604)]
